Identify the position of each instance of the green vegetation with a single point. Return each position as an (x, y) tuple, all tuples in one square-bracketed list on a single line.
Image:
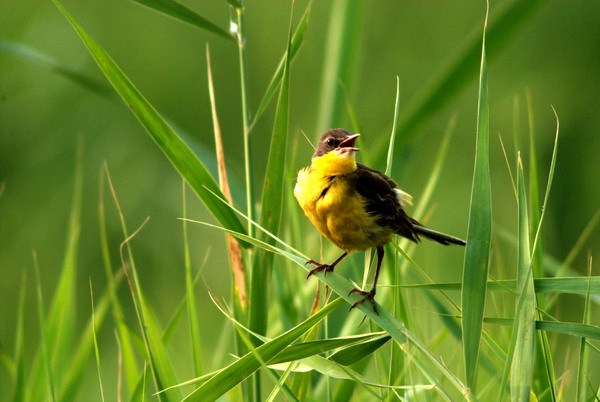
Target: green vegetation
[(169, 294)]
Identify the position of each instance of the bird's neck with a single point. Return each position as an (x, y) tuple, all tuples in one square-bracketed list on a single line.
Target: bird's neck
[(331, 164)]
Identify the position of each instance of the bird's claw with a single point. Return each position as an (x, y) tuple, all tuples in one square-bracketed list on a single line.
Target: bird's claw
[(319, 267), (370, 296)]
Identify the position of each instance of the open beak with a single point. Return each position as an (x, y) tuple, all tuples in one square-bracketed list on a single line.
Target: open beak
[(348, 144)]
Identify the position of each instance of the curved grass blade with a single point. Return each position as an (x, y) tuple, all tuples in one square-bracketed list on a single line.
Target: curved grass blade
[(232, 375), (78, 364), (455, 76), (156, 351), (181, 156), (307, 349), (355, 353), (45, 61), (384, 319), (182, 13), (297, 40), (477, 253), (521, 370)]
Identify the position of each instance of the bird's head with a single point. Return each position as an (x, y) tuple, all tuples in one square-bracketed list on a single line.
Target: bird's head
[(338, 142), (335, 153)]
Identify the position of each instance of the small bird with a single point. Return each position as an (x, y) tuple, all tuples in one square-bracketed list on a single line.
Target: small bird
[(355, 207)]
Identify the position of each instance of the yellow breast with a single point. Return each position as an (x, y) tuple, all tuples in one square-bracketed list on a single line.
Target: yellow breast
[(335, 208)]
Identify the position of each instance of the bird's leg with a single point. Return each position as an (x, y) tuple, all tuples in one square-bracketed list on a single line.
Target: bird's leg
[(370, 295), (324, 267)]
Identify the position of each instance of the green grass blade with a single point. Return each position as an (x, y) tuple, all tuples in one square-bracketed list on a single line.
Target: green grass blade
[(543, 354), (341, 50), (97, 352), (355, 353), (191, 295), (297, 40), (390, 155), (560, 327), (182, 13), (461, 69), (60, 318), (307, 349), (272, 203), (477, 253), (43, 60), (521, 371), (156, 351), (232, 375), (572, 285), (181, 156), (582, 367), (19, 390), (384, 319), (47, 386), (129, 361), (78, 364), (235, 3)]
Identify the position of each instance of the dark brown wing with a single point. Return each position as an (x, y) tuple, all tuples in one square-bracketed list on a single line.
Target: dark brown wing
[(381, 201)]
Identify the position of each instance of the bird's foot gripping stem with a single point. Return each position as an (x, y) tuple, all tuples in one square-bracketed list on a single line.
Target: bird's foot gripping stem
[(367, 296), (319, 267)]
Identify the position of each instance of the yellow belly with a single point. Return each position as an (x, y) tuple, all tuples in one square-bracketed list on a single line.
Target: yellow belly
[(339, 212)]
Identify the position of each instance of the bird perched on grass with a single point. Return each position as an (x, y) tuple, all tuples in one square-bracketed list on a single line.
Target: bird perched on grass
[(354, 206)]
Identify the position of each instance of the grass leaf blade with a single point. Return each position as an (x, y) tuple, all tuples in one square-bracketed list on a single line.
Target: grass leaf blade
[(184, 14), (181, 156), (477, 254)]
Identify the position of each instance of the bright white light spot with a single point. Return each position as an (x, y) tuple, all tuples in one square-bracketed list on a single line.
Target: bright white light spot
[(233, 27)]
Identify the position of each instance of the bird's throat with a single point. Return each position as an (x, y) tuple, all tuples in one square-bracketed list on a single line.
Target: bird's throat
[(332, 164)]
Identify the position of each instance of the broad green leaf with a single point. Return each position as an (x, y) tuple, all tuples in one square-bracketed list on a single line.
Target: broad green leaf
[(477, 253), (182, 13), (521, 371), (181, 156), (233, 374)]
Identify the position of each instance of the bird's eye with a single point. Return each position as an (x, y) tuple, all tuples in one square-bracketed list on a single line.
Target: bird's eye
[(330, 142)]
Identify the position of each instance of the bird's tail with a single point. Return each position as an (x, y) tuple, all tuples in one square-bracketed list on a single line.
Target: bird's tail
[(439, 237)]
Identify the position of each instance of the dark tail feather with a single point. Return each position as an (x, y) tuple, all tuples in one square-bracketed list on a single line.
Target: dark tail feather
[(440, 237)]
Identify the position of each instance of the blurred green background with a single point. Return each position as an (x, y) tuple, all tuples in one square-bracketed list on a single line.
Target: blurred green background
[(555, 54)]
